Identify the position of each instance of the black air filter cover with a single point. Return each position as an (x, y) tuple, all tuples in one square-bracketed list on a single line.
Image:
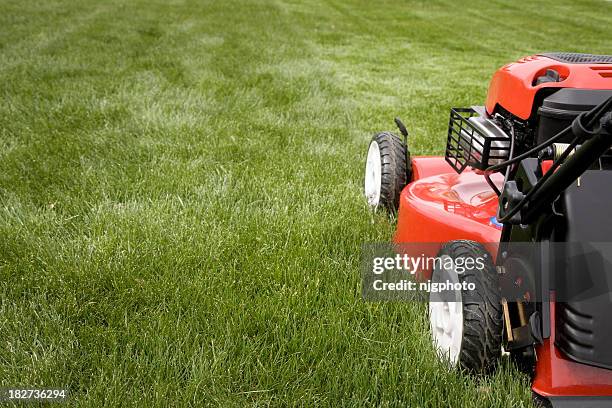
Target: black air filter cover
[(577, 100), (559, 110)]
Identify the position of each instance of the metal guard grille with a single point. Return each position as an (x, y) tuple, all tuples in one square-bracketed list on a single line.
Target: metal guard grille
[(466, 145)]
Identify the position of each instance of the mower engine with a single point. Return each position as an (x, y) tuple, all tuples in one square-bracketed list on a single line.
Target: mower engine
[(530, 100)]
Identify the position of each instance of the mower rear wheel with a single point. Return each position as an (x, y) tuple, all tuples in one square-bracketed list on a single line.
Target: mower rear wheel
[(386, 171), (468, 330)]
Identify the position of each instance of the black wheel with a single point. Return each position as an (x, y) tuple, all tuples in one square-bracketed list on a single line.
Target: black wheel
[(387, 171), (467, 331)]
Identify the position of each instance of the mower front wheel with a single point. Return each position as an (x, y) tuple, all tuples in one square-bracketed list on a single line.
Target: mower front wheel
[(387, 171), (467, 330)]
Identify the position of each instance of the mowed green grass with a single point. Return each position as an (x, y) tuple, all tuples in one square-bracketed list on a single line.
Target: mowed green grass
[(181, 217)]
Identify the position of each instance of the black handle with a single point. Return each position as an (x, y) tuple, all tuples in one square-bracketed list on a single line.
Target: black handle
[(401, 127)]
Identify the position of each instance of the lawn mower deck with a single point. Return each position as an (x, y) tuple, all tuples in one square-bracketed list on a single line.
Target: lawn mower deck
[(531, 166), (440, 206)]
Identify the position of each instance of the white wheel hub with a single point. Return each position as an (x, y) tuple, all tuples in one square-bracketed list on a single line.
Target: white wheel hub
[(373, 174), (446, 323)]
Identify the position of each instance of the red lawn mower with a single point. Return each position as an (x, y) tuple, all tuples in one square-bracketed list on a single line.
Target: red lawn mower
[(533, 166)]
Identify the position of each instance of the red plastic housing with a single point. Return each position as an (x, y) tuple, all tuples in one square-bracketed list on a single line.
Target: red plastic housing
[(440, 205), (512, 86)]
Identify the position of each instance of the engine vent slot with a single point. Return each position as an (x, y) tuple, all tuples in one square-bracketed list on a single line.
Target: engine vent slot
[(604, 71), (576, 58)]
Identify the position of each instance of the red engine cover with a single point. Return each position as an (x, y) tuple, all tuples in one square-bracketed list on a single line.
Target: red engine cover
[(512, 86)]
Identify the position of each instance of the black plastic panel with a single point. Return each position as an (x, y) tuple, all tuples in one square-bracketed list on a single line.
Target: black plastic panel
[(583, 322), (576, 402)]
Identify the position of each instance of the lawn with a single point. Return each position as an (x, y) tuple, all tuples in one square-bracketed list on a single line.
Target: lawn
[(181, 216)]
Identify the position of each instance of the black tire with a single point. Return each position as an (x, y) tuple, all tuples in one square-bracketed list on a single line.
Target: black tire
[(482, 324), (395, 170)]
